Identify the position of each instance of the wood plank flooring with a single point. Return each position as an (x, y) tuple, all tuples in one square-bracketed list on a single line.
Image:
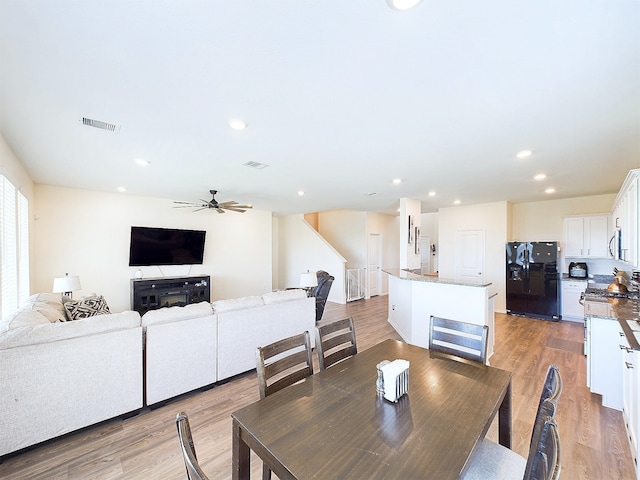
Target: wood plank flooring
[(594, 445)]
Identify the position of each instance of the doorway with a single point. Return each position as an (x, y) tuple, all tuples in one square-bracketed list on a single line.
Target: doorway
[(374, 273), (469, 259), (425, 254)]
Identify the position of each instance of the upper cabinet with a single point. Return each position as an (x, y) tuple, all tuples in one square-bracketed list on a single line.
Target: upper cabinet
[(586, 236), (625, 218)]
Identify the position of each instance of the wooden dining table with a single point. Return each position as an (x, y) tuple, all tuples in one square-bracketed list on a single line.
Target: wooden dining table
[(334, 425)]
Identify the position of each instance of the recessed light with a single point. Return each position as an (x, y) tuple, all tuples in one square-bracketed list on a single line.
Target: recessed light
[(540, 176), (550, 190), (402, 4), (456, 202), (237, 124), (524, 154), (142, 162), (300, 193), (432, 194), (121, 189), (397, 181)]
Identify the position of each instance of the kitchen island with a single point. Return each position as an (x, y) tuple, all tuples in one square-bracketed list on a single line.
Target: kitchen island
[(413, 298)]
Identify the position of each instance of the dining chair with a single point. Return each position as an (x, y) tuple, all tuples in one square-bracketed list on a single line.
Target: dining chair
[(492, 461), (547, 463), (335, 341), (461, 339), (490, 457), (194, 472), (551, 390), (281, 364)]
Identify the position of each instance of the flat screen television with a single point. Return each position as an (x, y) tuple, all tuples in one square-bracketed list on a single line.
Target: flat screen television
[(165, 246)]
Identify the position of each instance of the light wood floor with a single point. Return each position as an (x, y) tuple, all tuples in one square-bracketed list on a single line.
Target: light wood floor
[(594, 444)]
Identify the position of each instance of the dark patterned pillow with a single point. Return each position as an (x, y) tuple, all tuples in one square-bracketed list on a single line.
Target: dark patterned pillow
[(86, 307)]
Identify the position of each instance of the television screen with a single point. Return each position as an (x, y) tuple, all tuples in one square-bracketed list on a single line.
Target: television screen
[(165, 246)]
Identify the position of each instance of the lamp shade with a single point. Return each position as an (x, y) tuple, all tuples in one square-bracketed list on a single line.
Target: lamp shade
[(66, 284), (308, 280)]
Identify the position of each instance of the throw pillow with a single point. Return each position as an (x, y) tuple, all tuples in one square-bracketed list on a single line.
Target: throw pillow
[(86, 307)]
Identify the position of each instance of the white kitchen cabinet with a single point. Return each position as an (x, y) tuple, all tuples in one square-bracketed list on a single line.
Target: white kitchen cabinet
[(586, 236), (630, 396), (605, 360), (571, 292), (626, 214)]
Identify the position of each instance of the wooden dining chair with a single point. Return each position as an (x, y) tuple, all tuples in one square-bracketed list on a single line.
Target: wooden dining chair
[(335, 341), (281, 364), (492, 461), (547, 463), (194, 472), (461, 339)]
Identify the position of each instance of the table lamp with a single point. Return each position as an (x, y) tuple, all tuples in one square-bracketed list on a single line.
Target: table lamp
[(66, 285), (308, 281)]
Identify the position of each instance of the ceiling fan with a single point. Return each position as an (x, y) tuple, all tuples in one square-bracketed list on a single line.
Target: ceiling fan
[(214, 205)]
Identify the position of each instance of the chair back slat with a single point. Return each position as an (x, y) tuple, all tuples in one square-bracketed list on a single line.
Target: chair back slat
[(335, 341), (283, 363), (546, 455), (461, 339)]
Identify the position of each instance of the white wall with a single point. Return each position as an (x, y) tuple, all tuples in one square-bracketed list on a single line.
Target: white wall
[(543, 221), (409, 208), (490, 217), (430, 227), (302, 248), (388, 226), (87, 233), (345, 230)]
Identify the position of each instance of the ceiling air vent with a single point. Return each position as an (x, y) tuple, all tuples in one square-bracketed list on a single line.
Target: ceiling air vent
[(256, 165), (89, 122)]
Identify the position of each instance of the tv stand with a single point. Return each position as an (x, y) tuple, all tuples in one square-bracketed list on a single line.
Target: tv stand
[(153, 293)]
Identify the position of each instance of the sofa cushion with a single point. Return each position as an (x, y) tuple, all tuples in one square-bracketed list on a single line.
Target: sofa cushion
[(27, 316), (221, 306), (86, 307), (175, 314), (283, 296), (52, 332)]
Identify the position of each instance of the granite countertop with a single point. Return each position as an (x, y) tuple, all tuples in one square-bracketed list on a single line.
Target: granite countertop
[(430, 278), (626, 311)]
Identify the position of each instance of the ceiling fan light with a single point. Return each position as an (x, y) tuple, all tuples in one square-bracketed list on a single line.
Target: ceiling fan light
[(402, 4)]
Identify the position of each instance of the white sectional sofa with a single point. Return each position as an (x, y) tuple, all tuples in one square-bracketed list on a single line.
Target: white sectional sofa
[(197, 345), (59, 377)]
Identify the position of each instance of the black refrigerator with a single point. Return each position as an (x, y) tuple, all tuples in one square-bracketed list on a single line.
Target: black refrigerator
[(533, 281)]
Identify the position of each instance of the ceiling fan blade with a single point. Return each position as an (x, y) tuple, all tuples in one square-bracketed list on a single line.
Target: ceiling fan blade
[(239, 210), (219, 210), (201, 208), (227, 204)]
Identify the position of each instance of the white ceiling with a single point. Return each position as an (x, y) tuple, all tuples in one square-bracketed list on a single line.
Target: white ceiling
[(341, 97)]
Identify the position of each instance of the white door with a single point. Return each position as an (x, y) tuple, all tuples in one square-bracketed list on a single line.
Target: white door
[(373, 261), (470, 254), (425, 253)]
